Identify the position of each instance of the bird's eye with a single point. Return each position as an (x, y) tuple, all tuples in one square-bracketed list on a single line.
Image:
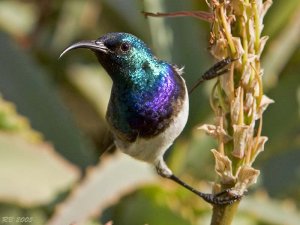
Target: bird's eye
[(125, 47)]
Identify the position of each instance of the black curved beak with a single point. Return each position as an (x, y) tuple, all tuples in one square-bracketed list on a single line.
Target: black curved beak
[(94, 45)]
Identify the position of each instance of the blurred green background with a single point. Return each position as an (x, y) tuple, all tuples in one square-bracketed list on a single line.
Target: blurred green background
[(53, 131)]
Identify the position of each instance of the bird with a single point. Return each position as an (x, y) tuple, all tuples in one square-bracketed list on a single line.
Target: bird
[(149, 102)]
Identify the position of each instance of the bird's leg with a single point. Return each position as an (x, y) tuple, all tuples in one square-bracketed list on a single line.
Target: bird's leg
[(216, 70), (223, 198)]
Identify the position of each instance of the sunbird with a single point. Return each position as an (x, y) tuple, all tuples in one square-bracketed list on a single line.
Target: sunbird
[(149, 102)]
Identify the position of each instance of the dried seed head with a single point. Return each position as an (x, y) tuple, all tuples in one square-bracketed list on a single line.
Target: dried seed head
[(223, 167), (265, 102), (220, 49), (246, 176), (235, 106), (242, 137), (263, 41), (260, 145), (246, 74), (215, 131)]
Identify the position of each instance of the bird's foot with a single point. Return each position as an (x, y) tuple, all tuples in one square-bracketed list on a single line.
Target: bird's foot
[(216, 70), (163, 170), (225, 197)]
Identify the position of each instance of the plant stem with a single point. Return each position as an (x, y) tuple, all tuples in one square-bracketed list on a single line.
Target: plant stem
[(223, 215)]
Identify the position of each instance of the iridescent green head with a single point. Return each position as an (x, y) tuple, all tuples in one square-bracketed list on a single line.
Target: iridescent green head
[(121, 54)]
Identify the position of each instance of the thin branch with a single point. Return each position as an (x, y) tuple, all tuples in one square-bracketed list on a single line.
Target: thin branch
[(202, 15)]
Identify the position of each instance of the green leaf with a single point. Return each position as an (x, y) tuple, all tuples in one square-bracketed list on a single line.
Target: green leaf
[(26, 84), (281, 125), (103, 186), (32, 174), (93, 83), (281, 49), (11, 122), (278, 15), (143, 208), (19, 23)]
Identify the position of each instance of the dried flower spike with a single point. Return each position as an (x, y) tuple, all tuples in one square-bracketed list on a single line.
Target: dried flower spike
[(238, 97)]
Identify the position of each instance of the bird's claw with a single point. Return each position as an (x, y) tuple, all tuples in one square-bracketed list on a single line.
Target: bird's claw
[(225, 197)]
